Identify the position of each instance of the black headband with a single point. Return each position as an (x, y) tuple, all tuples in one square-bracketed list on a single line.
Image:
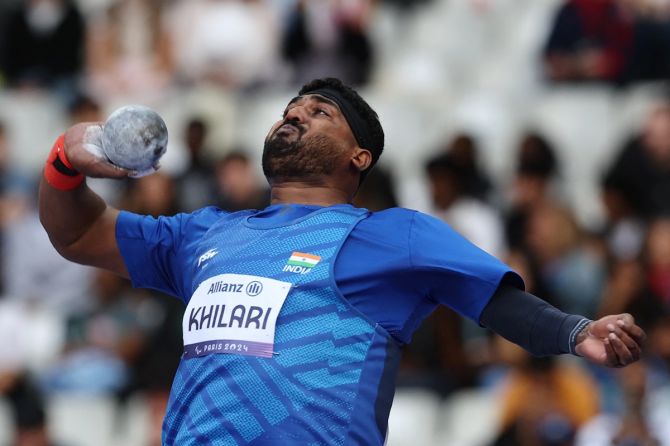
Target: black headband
[(357, 124)]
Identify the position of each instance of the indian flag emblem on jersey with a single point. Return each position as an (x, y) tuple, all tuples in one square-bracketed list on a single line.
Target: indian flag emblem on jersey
[(303, 259)]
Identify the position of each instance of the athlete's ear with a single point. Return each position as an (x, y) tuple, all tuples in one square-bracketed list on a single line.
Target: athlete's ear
[(361, 159)]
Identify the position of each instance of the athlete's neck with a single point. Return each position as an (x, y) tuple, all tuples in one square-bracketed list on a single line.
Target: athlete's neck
[(305, 193)]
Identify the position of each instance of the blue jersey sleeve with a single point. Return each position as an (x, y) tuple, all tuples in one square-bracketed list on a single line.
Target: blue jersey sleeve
[(452, 270), (158, 252)]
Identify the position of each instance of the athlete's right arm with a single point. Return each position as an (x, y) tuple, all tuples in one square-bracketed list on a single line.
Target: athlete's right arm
[(81, 226)]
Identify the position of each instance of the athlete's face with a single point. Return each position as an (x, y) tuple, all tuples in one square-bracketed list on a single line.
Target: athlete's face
[(313, 139)]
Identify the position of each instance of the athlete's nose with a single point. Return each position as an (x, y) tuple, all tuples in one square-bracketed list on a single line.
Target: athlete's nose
[(296, 114)]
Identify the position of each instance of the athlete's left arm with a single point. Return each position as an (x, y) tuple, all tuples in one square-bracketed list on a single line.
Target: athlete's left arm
[(456, 273), (613, 341)]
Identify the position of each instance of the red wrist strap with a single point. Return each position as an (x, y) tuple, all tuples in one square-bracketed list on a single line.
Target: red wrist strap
[(58, 171)]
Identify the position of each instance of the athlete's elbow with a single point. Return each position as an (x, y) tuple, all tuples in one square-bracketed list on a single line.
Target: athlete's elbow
[(60, 239), (67, 250)]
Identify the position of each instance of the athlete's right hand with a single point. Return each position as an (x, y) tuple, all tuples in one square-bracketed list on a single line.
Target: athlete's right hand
[(83, 149)]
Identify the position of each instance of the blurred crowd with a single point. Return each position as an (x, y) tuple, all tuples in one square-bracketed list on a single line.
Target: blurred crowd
[(114, 47), (616, 41), (623, 266), (67, 329)]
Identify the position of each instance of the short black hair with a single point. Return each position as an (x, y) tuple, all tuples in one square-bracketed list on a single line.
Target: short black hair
[(444, 164), (537, 157), (362, 108)]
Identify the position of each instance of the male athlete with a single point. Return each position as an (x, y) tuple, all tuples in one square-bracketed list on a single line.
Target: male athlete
[(295, 313)]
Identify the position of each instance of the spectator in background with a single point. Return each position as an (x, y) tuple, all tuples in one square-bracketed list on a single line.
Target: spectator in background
[(613, 41), (238, 187), (463, 151), (659, 350), (452, 202), (128, 51), (329, 39), (544, 401), (232, 43), (20, 350), (14, 190), (643, 165), (571, 269), (6, 8), (123, 345), (28, 410), (626, 288), (31, 268), (102, 343), (651, 40), (590, 40), (439, 357), (378, 191), (44, 41), (642, 286), (84, 108), (23, 354), (196, 186), (625, 229), (641, 419), (658, 260), (536, 169), (153, 195)]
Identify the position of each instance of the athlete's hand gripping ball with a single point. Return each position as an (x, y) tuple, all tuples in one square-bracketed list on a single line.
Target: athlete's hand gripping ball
[(135, 138), (130, 143)]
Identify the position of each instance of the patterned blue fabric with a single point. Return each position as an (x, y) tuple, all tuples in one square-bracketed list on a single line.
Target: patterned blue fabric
[(394, 267), (307, 392)]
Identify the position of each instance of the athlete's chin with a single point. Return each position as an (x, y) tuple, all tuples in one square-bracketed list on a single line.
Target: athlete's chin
[(278, 144), (285, 144), (276, 156)]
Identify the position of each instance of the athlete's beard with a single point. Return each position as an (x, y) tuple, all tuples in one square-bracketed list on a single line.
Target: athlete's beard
[(304, 159)]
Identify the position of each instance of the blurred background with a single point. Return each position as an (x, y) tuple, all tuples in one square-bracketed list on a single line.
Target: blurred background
[(539, 129)]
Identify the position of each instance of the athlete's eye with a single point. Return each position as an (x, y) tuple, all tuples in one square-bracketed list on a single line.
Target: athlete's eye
[(321, 111)]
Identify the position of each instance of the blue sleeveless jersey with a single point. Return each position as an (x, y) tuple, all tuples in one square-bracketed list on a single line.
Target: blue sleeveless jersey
[(322, 384)]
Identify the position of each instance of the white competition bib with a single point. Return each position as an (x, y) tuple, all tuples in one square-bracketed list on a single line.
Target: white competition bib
[(233, 313)]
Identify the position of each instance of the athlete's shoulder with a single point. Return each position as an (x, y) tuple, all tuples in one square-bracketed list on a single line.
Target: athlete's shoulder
[(389, 226), (423, 230), (208, 213), (394, 214), (212, 214), (401, 216)]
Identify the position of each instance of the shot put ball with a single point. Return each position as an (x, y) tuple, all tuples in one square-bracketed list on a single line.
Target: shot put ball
[(134, 137)]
